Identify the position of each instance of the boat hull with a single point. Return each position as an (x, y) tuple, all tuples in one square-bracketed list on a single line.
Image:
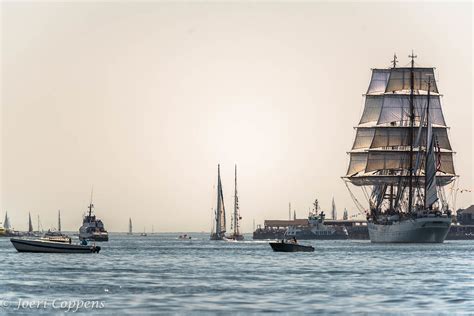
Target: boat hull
[(234, 238), (94, 236), (216, 237), (25, 245), (287, 247), (419, 230)]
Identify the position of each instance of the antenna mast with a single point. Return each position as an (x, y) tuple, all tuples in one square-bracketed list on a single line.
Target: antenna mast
[(394, 61)]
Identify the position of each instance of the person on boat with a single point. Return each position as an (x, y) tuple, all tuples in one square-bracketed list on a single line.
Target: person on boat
[(294, 240), (84, 242)]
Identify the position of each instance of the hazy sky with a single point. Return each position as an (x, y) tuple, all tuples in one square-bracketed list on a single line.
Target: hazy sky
[(143, 100)]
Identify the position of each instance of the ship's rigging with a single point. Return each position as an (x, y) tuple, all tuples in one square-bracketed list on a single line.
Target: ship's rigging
[(401, 151)]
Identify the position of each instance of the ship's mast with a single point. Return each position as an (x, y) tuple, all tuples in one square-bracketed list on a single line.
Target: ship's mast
[(91, 205), (236, 205), (394, 61), (410, 134), (218, 209), (427, 136), (394, 64), (59, 220)]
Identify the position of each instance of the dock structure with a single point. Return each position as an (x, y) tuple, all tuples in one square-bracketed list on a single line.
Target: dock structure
[(275, 228)]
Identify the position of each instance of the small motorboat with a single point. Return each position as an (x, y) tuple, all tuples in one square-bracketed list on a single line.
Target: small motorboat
[(43, 245), (285, 246)]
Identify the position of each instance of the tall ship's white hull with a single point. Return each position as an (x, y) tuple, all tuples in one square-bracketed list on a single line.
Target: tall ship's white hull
[(418, 230)]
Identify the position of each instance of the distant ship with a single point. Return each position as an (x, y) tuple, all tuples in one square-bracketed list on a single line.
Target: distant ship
[(92, 228), (219, 227), (235, 223), (57, 235), (130, 231), (402, 152), (316, 229)]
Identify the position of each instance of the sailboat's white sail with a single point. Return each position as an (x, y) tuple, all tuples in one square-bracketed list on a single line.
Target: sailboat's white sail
[(220, 209), (6, 222), (30, 224)]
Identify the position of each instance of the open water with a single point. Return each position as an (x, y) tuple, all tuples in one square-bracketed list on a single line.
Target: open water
[(160, 274)]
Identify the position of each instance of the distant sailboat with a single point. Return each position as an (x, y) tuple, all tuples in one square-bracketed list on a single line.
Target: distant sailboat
[(333, 209), (144, 234), (6, 223), (59, 220), (235, 224), (130, 228), (220, 229), (30, 224)]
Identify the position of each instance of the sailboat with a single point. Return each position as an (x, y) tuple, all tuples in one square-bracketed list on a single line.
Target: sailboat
[(6, 222), (57, 235), (235, 223), (130, 228), (220, 227), (403, 155)]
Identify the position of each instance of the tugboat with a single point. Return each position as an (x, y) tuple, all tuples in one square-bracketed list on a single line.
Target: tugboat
[(316, 228), (290, 246), (92, 228)]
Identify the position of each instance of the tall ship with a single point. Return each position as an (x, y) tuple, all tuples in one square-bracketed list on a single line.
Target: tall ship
[(92, 228), (402, 157), (235, 222), (219, 229)]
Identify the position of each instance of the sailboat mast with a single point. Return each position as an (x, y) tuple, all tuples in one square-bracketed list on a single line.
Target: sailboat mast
[(30, 224), (412, 118), (218, 209), (90, 204), (236, 229), (59, 220)]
